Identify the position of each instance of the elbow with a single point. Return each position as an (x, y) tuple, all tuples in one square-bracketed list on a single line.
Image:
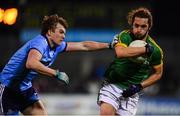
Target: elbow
[(159, 77), (29, 65)]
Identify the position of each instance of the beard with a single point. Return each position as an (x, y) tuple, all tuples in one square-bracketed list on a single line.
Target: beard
[(140, 36)]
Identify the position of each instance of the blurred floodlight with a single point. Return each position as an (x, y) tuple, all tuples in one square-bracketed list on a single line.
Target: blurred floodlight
[(10, 16), (1, 15)]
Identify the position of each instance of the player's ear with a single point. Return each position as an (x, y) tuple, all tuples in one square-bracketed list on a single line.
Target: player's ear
[(149, 27), (49, 32)]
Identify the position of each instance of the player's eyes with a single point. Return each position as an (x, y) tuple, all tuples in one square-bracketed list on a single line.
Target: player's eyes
[(136, 25), (143, 26), (61, 32)]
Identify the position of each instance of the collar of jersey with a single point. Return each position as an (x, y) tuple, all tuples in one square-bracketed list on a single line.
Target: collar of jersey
[(51, 48)]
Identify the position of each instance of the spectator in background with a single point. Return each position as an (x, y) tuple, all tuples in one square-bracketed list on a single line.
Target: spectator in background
[(125, 78), (35, 57)]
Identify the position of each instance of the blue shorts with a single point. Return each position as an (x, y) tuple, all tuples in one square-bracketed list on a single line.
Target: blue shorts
[(11, 101)]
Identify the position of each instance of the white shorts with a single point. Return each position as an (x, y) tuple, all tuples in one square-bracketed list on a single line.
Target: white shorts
[(112, 94)]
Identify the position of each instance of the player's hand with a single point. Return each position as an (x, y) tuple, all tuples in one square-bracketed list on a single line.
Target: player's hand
[(62, 76), (113, 42), (149, 49), (132, 90)]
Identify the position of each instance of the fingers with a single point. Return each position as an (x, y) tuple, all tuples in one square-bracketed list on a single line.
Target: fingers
[(62, 76)]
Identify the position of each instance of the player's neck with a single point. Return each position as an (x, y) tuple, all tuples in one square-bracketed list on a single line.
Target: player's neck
[(145, 37), (50, 42)]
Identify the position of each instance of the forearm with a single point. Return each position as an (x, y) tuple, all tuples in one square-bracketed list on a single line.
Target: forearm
[(135, 88), (40, 68), (91, 45), (122, 52), (151, 80), (86, 46)]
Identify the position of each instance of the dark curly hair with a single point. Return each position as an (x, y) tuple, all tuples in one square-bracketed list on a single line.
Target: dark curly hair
[(50, 23), (142, 13)]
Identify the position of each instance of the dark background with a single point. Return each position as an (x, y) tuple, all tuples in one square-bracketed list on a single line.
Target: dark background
[(86, 68)]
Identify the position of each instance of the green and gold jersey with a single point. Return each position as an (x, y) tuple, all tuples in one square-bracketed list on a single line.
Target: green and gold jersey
[(123, 71)]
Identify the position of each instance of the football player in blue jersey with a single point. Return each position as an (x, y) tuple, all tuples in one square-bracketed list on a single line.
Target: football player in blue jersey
[(16, 92)]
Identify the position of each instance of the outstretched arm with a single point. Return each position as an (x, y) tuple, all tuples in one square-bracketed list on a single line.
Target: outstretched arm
[(86, 46)]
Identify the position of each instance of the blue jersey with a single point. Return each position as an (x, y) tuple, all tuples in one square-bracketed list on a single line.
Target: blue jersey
[(15, 74)]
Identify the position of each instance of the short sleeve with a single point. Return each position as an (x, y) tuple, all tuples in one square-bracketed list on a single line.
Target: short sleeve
[(157, 58), (123, 38), (62, 47)]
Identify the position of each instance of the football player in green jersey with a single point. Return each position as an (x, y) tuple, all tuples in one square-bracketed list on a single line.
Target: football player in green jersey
[(125, 78)]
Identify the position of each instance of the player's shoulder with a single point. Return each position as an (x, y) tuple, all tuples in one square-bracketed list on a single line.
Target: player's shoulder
[(124, 33), (158, 49), (153, 42), (62, 46), (39, 40)]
